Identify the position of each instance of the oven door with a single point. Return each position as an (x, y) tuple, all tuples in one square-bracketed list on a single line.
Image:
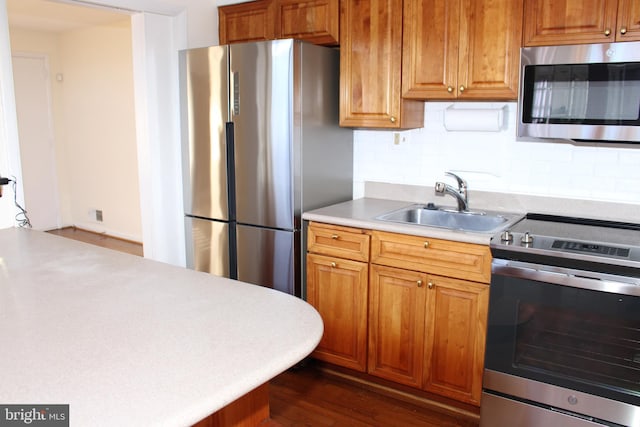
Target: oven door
[(564, 329)]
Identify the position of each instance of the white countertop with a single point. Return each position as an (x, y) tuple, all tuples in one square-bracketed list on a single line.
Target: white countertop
[(362, 213), (129, 341)]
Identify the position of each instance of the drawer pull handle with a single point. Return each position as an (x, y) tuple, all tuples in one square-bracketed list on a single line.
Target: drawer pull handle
[(333, 265), (426, 245), (334, 236), (419, 283), (623, 30), (430, 285), (607, 32)]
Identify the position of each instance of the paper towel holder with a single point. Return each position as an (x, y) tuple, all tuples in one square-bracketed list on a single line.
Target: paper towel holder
[(475, 119)]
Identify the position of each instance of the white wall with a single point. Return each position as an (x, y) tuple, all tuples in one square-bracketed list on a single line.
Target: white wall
[(94, 124), (156, 41), (497, 161), (99, 123), (9, 150)]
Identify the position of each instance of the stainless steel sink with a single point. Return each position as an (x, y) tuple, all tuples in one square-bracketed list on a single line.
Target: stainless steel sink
[(481, 222)]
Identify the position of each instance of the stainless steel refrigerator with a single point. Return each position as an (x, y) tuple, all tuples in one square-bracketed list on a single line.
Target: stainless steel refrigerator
[(261, 144)]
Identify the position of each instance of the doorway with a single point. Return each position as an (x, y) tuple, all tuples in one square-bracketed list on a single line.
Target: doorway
[(35, 128), (85, 174)]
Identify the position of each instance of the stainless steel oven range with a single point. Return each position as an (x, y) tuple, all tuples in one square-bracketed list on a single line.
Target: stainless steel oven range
[(563, 339)]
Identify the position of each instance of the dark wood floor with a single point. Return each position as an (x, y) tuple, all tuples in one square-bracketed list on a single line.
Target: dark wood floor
[(307, 396)]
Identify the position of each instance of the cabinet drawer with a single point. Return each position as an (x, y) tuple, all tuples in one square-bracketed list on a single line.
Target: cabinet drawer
[(343, 242), (453, 259)]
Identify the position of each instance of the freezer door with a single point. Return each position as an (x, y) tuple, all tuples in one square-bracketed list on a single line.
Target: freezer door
[(208, 246), (262, 85), (205, 103), (266, 258)]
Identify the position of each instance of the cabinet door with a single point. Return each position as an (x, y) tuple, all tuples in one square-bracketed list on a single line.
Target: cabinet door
[(430, 49), (244, 22), (338, 288), (489, 57), (455, 338), (553, 22), (370, 67), (628, 28), (315, 21), (396, 324)]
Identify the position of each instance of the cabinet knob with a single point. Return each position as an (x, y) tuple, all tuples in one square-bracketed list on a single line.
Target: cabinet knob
[(607, 32), (426, 245), (419, 283), (392, 119), (333, 265), (450, 89), (462, 88), (334, 236), (430, 285), (623, 30)]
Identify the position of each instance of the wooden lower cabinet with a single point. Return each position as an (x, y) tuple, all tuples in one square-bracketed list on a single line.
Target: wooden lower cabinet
[(456, 326), (406, 309), (396, 324), (428, 331), (338, 289)]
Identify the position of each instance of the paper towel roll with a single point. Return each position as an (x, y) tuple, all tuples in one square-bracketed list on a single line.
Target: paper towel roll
[(474, 119)]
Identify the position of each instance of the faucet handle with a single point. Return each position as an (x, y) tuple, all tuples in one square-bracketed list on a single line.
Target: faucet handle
[(462, 184)]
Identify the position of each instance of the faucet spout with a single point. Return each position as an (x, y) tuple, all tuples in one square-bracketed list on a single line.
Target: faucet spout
[(459, 194)]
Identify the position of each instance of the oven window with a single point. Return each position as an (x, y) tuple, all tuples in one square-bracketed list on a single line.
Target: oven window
[(596, 94), (587, 347), (574, 338)]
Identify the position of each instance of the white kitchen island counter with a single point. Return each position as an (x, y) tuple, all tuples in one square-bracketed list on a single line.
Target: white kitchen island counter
[(129, 341)]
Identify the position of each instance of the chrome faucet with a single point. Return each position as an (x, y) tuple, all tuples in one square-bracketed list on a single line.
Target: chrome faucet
[(460, 194)]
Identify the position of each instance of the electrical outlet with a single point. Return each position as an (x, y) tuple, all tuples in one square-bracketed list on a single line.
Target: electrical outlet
[(98, 215)]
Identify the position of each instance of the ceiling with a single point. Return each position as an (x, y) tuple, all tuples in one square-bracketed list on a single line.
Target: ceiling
[(65, 15), (51, 16)]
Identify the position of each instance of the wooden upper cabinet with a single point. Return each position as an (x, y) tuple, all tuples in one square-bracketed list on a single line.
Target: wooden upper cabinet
[(371, 67), (315, 21), (628, 28), (245, 22), (490, 54), (430, 49), (461, 49), (556, 22)]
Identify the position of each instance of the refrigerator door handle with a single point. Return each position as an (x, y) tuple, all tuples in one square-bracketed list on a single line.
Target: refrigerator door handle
[(231, 183), (231, 174), (235, 93)]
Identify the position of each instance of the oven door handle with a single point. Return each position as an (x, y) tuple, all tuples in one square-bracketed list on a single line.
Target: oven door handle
[(567, 277)]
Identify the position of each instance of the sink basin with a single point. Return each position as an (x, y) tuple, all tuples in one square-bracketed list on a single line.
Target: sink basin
[(482, 222)]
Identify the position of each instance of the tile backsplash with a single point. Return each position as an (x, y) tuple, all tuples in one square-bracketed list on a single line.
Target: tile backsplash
[(496, 160)]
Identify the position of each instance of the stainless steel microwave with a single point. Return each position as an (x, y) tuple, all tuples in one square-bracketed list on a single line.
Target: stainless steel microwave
[(587, 92)]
